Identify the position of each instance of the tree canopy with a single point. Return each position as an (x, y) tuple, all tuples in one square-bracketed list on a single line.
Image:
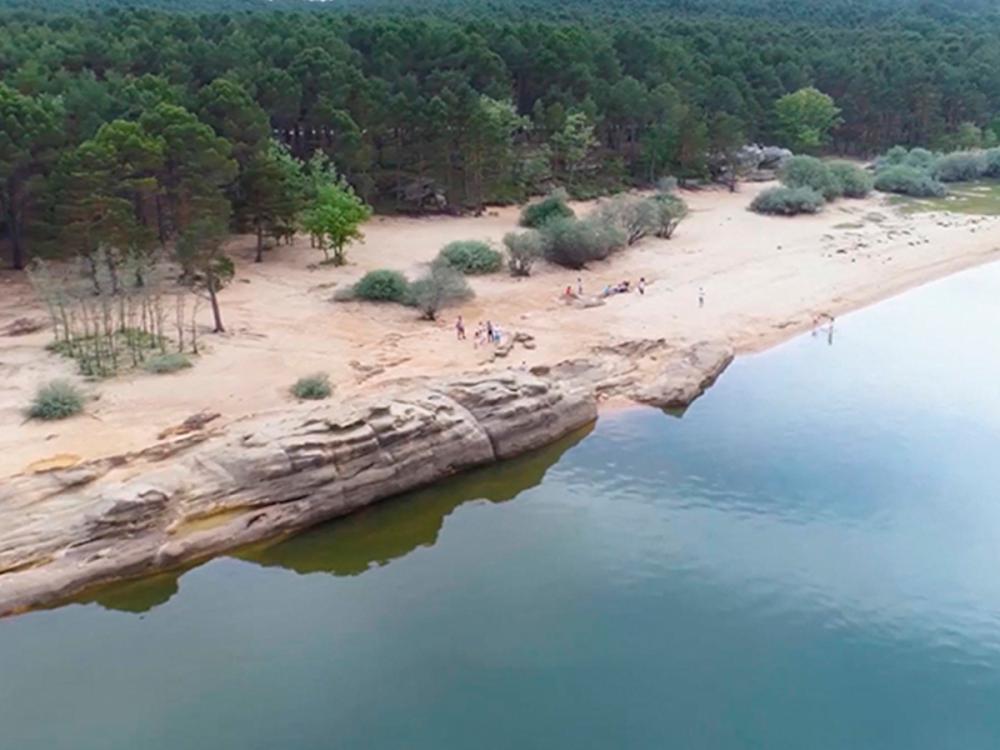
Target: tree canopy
[(124, 122)]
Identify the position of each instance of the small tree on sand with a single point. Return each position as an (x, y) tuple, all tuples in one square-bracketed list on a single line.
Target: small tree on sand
[(634, 215), (671, 209), (523, 249), (199, 250), (438, 288), (335, 218)]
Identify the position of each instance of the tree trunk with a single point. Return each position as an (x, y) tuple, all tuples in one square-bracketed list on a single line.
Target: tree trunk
[(17, 249), (14, 231), (216, 312), (260, 244)]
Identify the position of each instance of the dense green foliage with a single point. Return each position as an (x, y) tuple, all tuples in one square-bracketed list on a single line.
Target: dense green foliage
[(125, 122), (854, 181), (471, 257), (552, 206), (56, 400), (907, 180), (810, 172), (788, 201), (573, 243), (960, 166), (312, 387), (382, 285)]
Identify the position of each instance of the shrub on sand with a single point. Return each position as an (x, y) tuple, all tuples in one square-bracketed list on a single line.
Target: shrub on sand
[(854, 181), (471, 257), (573, 243), (908, 181), (810, 172), (166, 363), (786, 201), (552, 206), (382, 285), (961, 166), (439, 287), (523, 249), (313, 387), (57, 399)]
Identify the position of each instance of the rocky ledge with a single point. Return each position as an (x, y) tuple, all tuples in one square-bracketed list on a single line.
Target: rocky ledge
[(207, 491)]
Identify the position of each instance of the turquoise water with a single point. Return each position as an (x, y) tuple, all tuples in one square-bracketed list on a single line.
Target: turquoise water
[(809, 558)]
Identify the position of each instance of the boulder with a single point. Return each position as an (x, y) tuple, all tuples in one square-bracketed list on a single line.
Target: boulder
[(682, 380)]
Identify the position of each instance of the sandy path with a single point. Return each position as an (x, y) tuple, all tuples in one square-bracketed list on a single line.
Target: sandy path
[(765, 279)]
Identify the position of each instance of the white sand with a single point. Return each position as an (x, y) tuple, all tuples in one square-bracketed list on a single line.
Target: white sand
[(765, 279)]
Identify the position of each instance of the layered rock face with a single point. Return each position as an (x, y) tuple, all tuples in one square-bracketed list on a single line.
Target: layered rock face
[(205, 492), (64, 530)]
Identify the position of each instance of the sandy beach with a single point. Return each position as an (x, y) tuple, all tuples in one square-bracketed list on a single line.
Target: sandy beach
[(764, 279)]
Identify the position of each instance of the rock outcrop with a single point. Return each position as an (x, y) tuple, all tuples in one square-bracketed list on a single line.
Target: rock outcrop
[(681, 381), (64, 530), (207, 489)]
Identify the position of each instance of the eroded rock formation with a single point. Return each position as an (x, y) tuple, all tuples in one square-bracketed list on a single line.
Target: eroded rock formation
[(63, 530), (206, 491)]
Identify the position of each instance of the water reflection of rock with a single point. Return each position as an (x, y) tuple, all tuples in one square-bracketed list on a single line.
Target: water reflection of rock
[(136, 596), (393, 529), (373, 537)]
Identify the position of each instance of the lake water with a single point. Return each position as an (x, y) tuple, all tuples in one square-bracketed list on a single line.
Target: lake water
[(808, 559)]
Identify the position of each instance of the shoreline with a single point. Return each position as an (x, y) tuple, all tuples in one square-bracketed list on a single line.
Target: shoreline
[(70, 525)]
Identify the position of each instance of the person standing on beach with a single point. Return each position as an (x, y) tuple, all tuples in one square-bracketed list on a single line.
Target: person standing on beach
[(642, 285), (701, 296), (579, 286), (460, 328), (489, 331)]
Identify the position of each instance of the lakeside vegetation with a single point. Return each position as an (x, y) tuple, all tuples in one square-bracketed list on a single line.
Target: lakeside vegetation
[(127, 125)]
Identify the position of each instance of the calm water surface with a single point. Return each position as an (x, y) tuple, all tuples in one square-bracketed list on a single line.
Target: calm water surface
[(808, 559)]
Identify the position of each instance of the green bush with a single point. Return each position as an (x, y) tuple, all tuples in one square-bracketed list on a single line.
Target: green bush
[(786, 201), (854, 181), (523, 249), (634, 215), (439, 287), (382, 285), (56, 400), (908, 181), (670, 211), (920, 158), (165, 363), (471, 257), (313, 387), (573, 243), (992, 167), (552, 206), (960, 166), (810, 172)]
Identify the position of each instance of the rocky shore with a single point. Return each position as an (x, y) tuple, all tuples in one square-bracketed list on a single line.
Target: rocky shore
[(212, 490)]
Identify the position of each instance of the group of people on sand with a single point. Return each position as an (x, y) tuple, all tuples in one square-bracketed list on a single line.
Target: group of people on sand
[(624, 287), (486, 333)]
